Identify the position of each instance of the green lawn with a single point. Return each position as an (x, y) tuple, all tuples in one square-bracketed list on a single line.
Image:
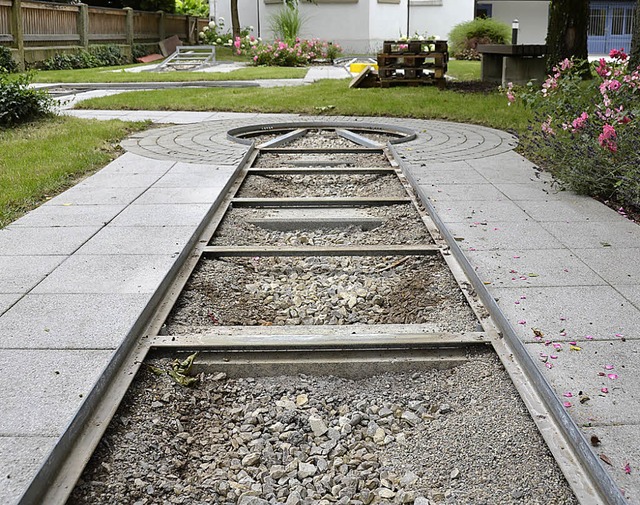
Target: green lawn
[(464, 70), (39, 160), (118, 74), (331, 97)]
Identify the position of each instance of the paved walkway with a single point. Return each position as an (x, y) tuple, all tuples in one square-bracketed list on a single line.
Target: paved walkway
[(77, 273)]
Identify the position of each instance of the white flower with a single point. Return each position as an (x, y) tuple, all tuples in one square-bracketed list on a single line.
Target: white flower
[(201, 35), (205, 29), (219, 40), (212, 24), (251, 28)]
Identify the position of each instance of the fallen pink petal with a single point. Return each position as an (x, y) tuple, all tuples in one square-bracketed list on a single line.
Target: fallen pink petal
[(516, 257), (601, 374), (563, 318), (548, 365), (627, 468), (573, 343), (589, 337), (604, 390), (523, 297), (563, 333), (522, 321), (619, 335), (612, 376), (557, 346), (553, 356), (567, 394), (517, 302), (567, 404), (512, 271), (608, 367)]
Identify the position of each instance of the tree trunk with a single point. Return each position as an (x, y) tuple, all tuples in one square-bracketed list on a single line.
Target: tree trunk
[(235, 19), (634, 62), (567, 32)]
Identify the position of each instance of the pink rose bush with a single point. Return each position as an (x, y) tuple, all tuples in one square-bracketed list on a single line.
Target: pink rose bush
[(299, 52), (588, 131)]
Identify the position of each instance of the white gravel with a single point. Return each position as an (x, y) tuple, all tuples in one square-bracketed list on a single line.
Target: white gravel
[(460, 436)]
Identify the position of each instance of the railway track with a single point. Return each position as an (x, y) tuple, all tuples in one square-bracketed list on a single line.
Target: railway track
[(321, 260)]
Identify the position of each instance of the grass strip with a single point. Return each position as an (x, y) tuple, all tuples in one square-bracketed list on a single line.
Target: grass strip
[(39, 160), (330, 97)]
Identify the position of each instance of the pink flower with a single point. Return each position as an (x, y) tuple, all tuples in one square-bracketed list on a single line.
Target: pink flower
[(618, 54), (607, 139), (546, 127), (614, 85), (566, 64)]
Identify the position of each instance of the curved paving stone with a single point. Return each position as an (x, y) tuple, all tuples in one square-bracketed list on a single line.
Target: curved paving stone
[(207, 142)]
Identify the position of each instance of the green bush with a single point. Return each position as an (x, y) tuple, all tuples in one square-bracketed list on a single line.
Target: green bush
[(7, 62), (96, 56), (465, 37), (20, 103), (586, 132)]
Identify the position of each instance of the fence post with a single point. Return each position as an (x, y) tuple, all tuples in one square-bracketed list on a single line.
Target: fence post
[(83, 24), (162, 34), (17, 31), (192, 32), (129, 28)]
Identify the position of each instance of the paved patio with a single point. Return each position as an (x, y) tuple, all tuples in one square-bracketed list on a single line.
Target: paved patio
[(76, 274)]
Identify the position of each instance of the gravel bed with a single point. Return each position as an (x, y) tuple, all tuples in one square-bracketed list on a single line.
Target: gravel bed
[(275, 160), (401, 224), (292, 186), (431, 437), (321, 290), (325, 139)]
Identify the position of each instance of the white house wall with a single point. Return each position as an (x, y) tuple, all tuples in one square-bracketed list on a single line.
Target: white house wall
[(532, 15), (359, 26)]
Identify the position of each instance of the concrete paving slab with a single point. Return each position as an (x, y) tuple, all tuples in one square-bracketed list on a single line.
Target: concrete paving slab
[(108, 274), (541, 267), (163, 215), (620, 445), (503, 235), (63, 321), (506, 168), (20, 241), (631, 293), (42, 389), (621, 233), (185, 175), (538, 191), (19, 274), (458, 192), (616, 266), (145, 240), (73, 215), (22, 458), (7, 300), (571, 208), (598, 311), (611, 365), (83, 194), (480, 212), (179, 195), (437, 175)]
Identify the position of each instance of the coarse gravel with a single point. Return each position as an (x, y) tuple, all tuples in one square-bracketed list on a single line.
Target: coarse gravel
[(358, 160), (429, 437), (341, 186), (400, 224), (321, 290)]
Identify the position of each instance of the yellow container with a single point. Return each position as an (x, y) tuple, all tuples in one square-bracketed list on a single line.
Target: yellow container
[(356, 68)]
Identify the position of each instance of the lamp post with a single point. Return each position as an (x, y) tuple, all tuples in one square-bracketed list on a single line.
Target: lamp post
[(515, 26)]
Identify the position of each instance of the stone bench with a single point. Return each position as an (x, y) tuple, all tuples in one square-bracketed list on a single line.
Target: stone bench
[(503, 63)]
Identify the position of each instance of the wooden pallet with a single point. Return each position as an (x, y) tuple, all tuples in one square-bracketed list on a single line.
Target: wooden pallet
[(399, 66)]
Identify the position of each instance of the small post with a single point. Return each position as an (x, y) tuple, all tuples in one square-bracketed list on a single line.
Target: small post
[(192, 30), (515, 27), (129, 27), (83, 24), (162, 34), (17, 30)]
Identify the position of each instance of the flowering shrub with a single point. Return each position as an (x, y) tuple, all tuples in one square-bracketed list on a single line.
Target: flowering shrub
[(301, 52), (588, 131), (214, 34)]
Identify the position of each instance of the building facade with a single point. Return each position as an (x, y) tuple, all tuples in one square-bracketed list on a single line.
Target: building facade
[(610, 24), (359, 26)]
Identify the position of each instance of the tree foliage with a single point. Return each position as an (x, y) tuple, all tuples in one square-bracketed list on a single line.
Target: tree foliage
[(567, 32)]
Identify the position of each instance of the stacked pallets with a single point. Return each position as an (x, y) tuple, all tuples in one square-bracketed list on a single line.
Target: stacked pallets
[(413, 63)]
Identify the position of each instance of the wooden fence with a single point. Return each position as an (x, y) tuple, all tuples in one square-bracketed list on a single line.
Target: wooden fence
[(37, 30)]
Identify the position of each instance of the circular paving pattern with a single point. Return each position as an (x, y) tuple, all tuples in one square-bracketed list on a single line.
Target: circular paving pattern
[(208, 142)]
